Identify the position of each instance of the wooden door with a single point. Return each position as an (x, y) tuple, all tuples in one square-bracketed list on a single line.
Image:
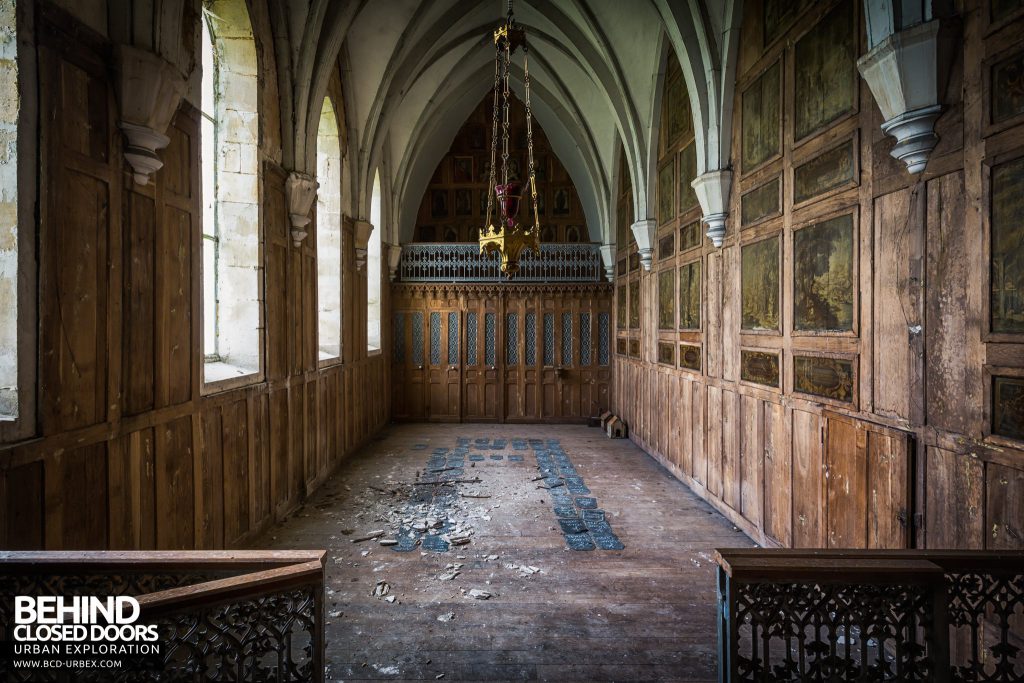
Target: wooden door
[(867, 484), (480, 374), (444, 366), (594, 360), (414, 371)]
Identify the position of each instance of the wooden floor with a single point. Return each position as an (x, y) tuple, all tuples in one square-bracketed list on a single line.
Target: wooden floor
[(643, 613)]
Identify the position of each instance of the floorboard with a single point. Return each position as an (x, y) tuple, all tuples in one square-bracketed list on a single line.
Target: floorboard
[(643, 613)]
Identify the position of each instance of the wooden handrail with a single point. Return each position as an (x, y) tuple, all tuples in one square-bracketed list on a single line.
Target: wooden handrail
[(63, 561), (267, 605), (220, 591)]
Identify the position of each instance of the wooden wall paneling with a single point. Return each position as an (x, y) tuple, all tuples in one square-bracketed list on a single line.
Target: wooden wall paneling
[(175, 505), (77, 215), (954, 506), (211, 522), (699, 460), (713, 315), (123, 483), (1005, 507), (235, 439), (752, 448), (260, 501), (713, 444), (897, 316), (731, 428), (889, 479), (955, 356), (846, 484), (276, 245), (179, 215), (808, 498), (75, 498), (277, 419), (22, 490), (778, 475), (139, 378)]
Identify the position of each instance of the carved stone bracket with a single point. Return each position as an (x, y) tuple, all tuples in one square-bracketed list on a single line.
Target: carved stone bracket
[(149, 90), (644, 232), (608, 259), (394, 260), (363, 230), (300, 190), (902, 72), (712, 189)]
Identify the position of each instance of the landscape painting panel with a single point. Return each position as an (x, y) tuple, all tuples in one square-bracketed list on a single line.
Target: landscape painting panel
[(823, 292)]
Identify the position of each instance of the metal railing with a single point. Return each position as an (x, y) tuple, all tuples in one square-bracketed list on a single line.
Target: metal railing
[(462, 262), (220, 615), (864, 615)]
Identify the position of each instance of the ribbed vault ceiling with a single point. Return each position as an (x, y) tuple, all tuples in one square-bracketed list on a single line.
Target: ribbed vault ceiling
[(413, 70)]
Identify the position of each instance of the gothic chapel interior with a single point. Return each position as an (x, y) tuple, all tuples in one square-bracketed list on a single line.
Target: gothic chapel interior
[(548, 340)]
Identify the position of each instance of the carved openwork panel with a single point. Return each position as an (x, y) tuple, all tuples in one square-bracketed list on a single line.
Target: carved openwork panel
[(987, 612), (512, 339), (549, 339), (417, 338), (585, 340), (453, 338), (531, 338), (604, 333), (472, 321), (435, 338), (830, 631)]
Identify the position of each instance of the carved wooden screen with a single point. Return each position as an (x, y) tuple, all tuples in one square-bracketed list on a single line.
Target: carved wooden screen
[(513, 353)]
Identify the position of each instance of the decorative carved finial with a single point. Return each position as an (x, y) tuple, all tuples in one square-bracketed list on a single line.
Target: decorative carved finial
[(149, 90), (300, 189), (644, 232), (363, 229), (712, 189)]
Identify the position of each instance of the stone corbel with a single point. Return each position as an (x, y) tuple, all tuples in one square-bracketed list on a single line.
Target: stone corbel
[(149, 90), (394, 259), (363, 230), (300, 190), (608, 258), (644, 232), (712, 189), (903, 74)]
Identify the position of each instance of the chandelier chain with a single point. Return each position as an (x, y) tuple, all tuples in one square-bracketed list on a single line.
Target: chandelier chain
[(529, 137), (494, 140)]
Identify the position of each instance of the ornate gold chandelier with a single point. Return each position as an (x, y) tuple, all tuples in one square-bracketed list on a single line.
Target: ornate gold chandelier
[(509, 238)]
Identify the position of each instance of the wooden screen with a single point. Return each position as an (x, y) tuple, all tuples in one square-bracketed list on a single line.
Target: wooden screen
[(501, 353)]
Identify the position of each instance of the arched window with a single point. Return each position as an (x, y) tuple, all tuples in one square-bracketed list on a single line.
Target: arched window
[(9, 212), (373, 270), (328, 232), (232, 283)]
